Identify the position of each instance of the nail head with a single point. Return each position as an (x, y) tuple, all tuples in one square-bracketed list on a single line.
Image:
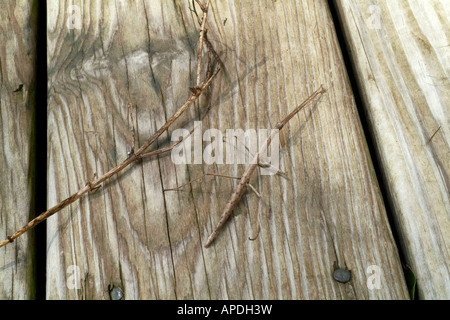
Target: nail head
[(116, 293), (342, 275)]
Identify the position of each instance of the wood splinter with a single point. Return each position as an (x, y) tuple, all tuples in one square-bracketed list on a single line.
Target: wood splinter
[(244, 181)]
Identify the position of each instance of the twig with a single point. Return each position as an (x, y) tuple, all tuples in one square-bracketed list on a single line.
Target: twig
[(160, 151), (244, 181), (200, 40), (132, 156), (194, 10), (92, 185), (201, 5), (173, 145)]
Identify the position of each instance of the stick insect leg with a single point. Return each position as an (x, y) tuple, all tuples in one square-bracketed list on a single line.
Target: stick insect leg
[(261, 164), (133, 131), (201, 177), (258, 217)]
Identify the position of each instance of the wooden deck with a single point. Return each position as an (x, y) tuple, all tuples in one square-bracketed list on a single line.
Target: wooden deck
[(327, 211), (17, 107), (401, 51)]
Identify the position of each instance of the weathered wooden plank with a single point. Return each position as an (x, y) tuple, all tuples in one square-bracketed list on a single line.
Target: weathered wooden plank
[(149, 242), (17, 78), (400, 50)]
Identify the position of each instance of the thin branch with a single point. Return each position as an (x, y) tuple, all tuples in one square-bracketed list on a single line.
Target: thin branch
[(93, 185), (200, 40), (133, 155), (195, 94), (159, 151), (244, 181), (194, 10), (201, 5)]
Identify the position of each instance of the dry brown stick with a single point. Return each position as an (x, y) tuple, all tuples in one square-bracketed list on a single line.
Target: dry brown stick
[(159, 151), (244, 181), (201, 5), (93, 185), (194, 10), (173, 145), (200, 40), (133, 156)]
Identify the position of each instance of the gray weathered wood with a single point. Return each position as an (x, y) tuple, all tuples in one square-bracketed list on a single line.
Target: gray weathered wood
[(400, 50), (17, 73), (132, 234)]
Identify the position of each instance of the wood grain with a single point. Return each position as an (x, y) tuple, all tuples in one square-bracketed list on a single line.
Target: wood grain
[(132, 234), (17, 107), (400, 50)]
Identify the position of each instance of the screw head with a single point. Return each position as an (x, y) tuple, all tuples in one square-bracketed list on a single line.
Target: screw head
[(116, 293), (342, 275)]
